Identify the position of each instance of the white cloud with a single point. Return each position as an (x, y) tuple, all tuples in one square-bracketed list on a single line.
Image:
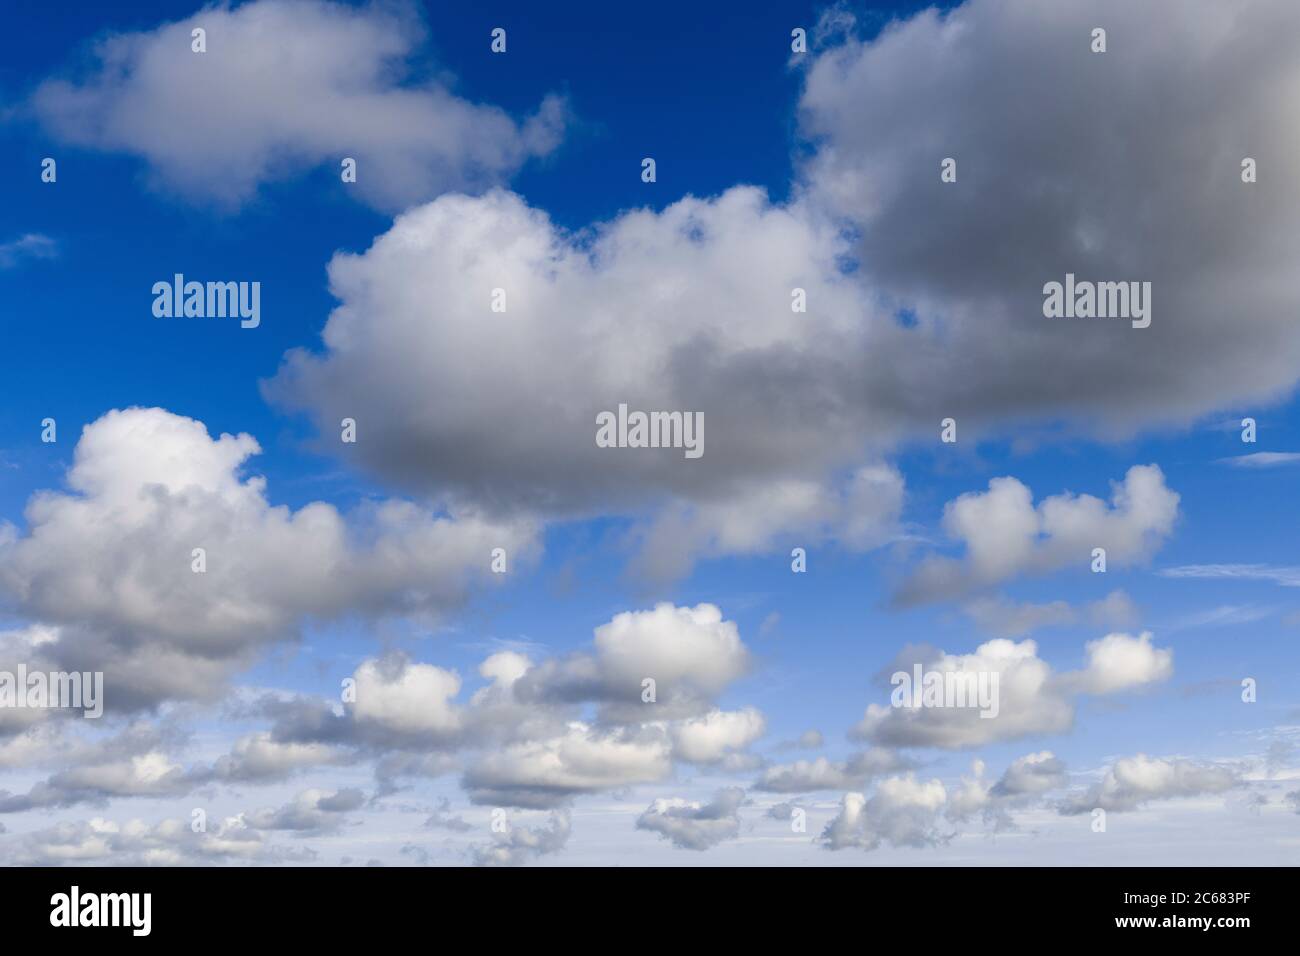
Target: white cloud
[(1287, 577), (685, 309), (546, 773), (1005, 535), (1031, 774), (1132, 781), (1023, 782), (1120, 662), (691, 654), (1031, 698), (110, 562), (148, 774), (710, 738), (1263, 459), (137, 843), (902, 811), (285, 86), (407, 698), (526, 738), (31, 245), (695, 826)]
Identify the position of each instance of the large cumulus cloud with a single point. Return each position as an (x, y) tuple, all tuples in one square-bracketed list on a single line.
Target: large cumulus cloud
[(107, 567), (1100, 169)]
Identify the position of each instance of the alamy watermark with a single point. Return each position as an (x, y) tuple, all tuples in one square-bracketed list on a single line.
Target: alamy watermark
[(1098, 300), (651, 430), (74, 690), (211, 300), (922, 688), (75, 908)]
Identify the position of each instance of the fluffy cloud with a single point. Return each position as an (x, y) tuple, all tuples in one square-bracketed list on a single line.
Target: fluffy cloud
[(1132, 781), (1004, 534), (691, 654), (1026, 779), (1119, 662), (110, 563), (1099, 169), (903, 811), (688, 309), (546, 773), (695, 826), (466, 396), (287, 85), (1031, 698), (523, 738), (1030, 775), (712, 737), (406, 698)]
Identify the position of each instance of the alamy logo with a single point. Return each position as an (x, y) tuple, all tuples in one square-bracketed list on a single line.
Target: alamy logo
[(39, 690), (924, 688), (1098, 300), (103, 909), (212, 300), (651, 430)]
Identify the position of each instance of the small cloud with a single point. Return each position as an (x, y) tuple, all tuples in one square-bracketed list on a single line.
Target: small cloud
[(33, 245), (1225, 615), (1262, 459), (1287, 577)]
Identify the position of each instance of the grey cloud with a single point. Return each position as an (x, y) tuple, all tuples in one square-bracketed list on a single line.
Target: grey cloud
[(1069, 161), (695, 826), (521, 844), (823, 774), (314, 811)]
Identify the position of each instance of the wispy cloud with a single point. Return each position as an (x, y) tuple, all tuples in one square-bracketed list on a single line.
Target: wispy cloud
[(33, 245), (1225, 615), (1262, 459), (1288, 577)]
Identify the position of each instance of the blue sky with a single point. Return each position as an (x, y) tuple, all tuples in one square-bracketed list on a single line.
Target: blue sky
[(718, 99)]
